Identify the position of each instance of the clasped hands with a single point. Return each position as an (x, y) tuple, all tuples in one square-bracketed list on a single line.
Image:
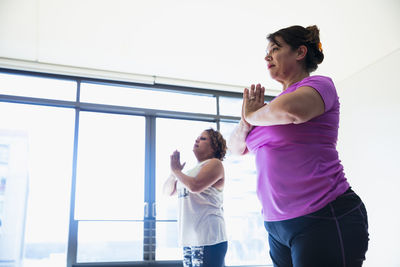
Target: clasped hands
[(253, 100), (176, 162)]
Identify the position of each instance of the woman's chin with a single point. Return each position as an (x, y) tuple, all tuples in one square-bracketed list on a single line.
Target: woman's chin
[(272, 75)]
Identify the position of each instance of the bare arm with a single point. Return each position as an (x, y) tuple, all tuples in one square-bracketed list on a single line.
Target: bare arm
[(169, 187), (237, 140), (210, 173), (296, 107)]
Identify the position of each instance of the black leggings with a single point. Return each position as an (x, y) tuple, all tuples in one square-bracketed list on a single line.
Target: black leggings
[(334, 236), (205, 256)]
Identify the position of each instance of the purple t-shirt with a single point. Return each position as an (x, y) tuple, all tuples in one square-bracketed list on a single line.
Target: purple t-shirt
[(298, 166)]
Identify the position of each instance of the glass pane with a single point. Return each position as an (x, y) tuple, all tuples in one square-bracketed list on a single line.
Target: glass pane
[(147, 98), (35, 198), (110, 173), (20, 85), (174, 135), (248, 243), (110, 241), (230, 106), (167, 247)]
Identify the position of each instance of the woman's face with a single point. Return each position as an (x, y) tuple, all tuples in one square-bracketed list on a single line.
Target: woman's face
[(281, 60), (202, 146)]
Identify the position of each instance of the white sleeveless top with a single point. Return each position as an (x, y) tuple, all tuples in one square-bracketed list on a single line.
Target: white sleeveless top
[(200, 218)]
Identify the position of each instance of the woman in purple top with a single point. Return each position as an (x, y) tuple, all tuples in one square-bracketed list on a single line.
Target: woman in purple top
[(312, 216)]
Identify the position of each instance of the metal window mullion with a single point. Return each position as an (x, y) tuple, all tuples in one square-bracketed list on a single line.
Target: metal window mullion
[(149, 237), (218, 118), (72, 245)]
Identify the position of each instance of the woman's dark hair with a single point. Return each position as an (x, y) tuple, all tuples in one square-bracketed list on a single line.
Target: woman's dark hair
[(218, 143), (295, 36)]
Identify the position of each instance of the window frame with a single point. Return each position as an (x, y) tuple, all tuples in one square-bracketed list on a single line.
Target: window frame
[(150, 148)]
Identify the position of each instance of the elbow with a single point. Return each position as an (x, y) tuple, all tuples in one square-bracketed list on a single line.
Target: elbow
[(236, 151), (195, 187), (237, 147), (296, 119), (172, 193), (169, 188), (293, 116), (169, 192)]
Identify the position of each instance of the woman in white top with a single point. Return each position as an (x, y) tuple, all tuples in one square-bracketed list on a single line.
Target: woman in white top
[(202, 232)]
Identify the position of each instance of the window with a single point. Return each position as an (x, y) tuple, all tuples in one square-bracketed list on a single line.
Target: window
[(110, 172), (30, 86), (230, 106), (145, 98), (110, 241), (99, 144), (36, 184), (110, 186)]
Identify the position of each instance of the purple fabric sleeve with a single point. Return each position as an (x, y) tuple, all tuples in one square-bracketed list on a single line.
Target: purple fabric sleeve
[(324, 87)]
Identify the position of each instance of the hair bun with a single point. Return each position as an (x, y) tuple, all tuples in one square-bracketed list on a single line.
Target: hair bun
[(313, 34)]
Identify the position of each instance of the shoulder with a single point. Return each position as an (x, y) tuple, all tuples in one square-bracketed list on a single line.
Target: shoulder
[(317, 80), (324, 86), (214, 162)]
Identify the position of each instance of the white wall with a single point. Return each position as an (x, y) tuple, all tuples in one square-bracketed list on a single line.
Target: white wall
[(219, 41), (369, 146)]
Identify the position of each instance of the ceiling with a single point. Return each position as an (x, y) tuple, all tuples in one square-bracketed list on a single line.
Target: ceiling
[(217, 41)]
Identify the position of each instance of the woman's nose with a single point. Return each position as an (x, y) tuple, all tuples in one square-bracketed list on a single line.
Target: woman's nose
[(268, 58)]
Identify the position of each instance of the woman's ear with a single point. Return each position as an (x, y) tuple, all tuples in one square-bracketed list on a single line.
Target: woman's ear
[(301, 52)]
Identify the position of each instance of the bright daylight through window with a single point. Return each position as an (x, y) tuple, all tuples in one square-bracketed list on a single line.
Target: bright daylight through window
[(86, 161)]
